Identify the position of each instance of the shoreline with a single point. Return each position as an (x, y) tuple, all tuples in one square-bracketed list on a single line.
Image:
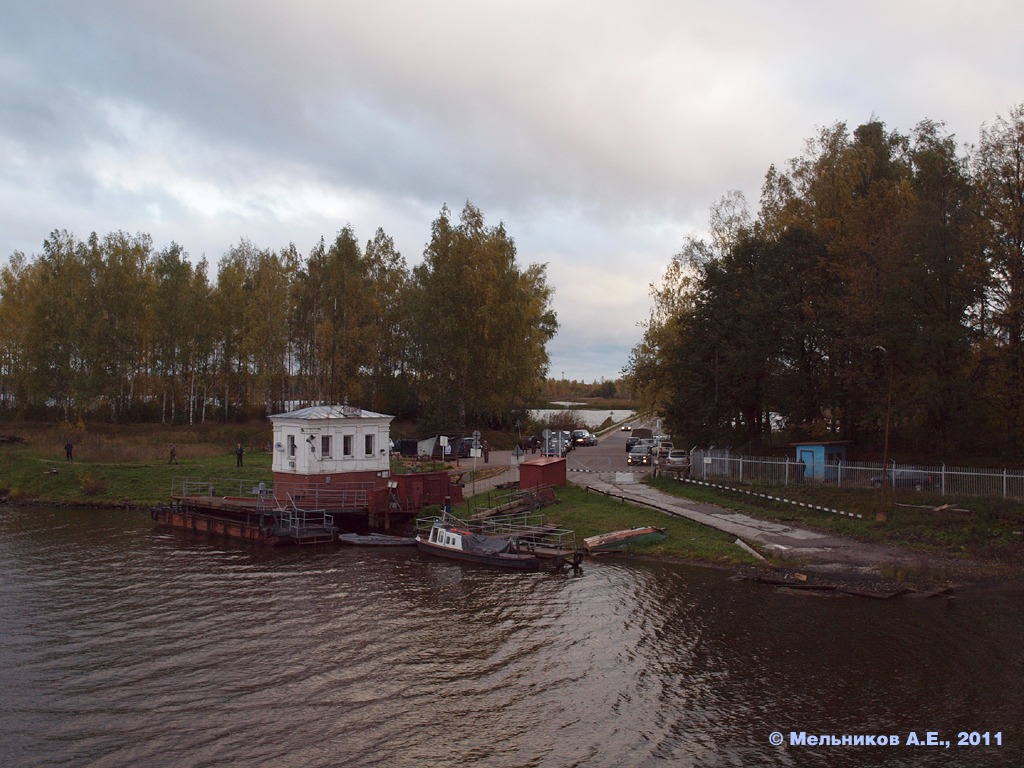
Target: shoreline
[(945, 576)]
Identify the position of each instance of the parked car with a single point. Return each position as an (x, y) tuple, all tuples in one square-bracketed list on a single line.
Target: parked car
[(677, 460), (664, 448), (917, 479), (466, 447), (639, 456), (551, 448)]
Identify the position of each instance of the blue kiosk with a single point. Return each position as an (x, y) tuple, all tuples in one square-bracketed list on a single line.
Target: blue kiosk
[(821, 459)]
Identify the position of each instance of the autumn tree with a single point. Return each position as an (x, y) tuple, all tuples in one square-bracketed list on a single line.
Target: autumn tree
[(181, 334), (58, 317), (389, 381), (121, 294), (999, 174), (482, 324)]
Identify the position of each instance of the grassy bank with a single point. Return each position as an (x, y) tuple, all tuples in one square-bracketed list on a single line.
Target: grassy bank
[(125, 465), (983, 529), (588, 514)]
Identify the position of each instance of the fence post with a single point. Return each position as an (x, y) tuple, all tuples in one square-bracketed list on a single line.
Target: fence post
[(741, 469), (785, 480), (943, 484), (1004, 482)]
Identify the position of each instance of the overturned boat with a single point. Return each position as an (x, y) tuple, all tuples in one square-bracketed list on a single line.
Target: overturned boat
[(616, 541)]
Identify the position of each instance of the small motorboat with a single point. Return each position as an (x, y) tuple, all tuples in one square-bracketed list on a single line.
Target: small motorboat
[(450, 537)]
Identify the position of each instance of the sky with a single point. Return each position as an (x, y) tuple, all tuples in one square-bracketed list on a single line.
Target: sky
[(600, 133)]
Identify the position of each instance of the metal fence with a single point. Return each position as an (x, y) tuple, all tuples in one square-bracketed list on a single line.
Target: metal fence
[(218, 486), (944, 479)]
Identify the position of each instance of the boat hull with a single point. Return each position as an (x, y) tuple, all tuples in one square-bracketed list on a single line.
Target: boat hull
[(616, 541), (375, 540), (500, 560)]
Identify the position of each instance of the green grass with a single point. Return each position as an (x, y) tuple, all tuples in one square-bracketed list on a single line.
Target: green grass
[(125, 465), (26, 475)]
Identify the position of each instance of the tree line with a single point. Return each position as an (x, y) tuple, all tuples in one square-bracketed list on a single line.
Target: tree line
[(878, 293), (111, 328)]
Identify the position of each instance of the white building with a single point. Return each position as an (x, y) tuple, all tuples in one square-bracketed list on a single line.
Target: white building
[(324, 441)]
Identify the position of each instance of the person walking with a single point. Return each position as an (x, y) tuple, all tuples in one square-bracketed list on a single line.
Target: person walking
[(239, 453), (174, 455)]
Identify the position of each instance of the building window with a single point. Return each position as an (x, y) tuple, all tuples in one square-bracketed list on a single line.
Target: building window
[(291, 446), (325, 446), (346, 445), (369, 445)]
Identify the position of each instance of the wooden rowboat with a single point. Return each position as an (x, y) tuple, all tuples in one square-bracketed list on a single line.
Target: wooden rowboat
[(375, 540)]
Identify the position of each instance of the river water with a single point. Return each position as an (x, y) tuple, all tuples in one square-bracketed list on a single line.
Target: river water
[(123, 645)]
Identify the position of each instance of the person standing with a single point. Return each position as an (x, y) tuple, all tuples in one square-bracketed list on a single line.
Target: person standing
[(69, 450), (239, 453), (174, 455)]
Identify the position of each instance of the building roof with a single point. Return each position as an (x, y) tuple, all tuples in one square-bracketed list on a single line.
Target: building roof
[(327, 412), (823, 442)]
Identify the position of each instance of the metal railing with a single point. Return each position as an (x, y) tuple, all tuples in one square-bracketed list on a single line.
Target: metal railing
[(528, 528), (300, 521), (220, 486)]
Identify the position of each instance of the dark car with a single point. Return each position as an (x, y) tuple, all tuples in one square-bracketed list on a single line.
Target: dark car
[(466, 447), (630, 442), (640, 455), (583, 437), (917, 479)]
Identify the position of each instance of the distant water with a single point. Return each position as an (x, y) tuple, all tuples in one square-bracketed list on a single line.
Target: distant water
[(591, 418), (126, 646)]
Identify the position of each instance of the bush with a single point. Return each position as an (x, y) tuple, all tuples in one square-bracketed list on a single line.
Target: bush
[(92, 485)]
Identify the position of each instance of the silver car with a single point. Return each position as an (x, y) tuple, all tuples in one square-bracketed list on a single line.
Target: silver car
[(677, 460)]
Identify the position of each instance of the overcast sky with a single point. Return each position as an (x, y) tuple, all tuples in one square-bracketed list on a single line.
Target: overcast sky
[(599, 132)]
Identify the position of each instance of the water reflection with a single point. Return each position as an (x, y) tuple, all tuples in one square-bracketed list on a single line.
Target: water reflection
[(123, 645)]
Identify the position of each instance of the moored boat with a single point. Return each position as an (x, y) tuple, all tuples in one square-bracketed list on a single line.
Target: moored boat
[(615, 541), (450, 537)]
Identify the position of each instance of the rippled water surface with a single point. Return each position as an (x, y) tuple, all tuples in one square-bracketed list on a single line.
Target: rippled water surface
[(124, 645)]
